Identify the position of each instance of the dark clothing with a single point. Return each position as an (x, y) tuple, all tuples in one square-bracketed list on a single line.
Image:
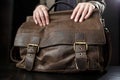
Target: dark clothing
[(99, 4), (61, 7)]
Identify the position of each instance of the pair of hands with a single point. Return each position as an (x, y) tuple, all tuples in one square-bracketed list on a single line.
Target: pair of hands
[(81, 12)]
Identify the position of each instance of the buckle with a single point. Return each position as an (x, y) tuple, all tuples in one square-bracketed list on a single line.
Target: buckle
[(33, 45), (80, 43)]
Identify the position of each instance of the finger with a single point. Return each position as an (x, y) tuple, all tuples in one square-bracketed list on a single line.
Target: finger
[(89, 12), (46, 16), (84, 13), (75, 11), (79, 13), (42, 17), (34, 18), (37, 16)]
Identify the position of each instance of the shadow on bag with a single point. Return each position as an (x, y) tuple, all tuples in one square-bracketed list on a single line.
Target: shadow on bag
[(63, 45)]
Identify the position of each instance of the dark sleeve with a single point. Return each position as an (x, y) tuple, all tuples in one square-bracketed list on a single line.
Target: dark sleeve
[(43, 2), (100, 4)]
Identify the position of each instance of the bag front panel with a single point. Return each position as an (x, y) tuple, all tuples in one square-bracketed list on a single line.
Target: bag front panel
[(61, 58), (56, 45)]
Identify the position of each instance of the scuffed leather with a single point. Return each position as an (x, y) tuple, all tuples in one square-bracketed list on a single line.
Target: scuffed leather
[(56, 44)]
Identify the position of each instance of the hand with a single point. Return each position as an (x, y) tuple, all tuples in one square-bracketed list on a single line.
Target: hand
[(40, 15), (82, 11)]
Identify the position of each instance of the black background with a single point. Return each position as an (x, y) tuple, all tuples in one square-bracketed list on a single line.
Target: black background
[(14, 12)]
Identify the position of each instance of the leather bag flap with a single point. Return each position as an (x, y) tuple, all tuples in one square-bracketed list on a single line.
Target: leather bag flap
[(61, 30)]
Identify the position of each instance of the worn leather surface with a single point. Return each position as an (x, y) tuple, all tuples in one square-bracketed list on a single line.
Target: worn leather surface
[(57, 51)]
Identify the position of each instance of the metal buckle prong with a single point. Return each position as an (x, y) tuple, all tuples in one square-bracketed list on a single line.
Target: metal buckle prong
[(33, 45), (80, 43)]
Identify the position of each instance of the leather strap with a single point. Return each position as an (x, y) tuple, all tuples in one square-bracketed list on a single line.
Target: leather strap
[(32, 49), (30, 56), (80, 47)]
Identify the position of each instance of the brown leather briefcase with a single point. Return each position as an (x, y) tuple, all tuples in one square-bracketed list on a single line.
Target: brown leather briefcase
[(63, 45)]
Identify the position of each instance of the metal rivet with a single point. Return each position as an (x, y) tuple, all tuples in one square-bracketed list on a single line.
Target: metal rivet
[(81, 54), (80, 48)]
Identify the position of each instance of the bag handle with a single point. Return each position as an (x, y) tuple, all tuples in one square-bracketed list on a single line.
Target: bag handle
[(60, 2), (13, 56)]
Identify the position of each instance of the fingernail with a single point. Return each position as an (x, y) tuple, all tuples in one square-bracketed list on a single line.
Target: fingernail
[(71, 17), (43, 24), (47, 23), (86, 17), (80, 21), (40, 24), (35, 22), (75, 20)]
